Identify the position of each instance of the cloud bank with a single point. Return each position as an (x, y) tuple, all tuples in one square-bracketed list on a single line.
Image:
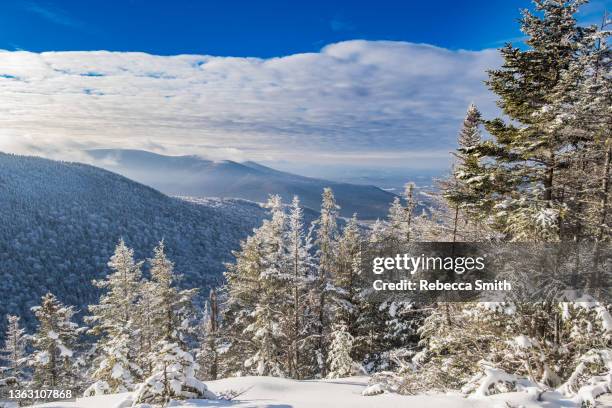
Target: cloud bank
[(352, 101)]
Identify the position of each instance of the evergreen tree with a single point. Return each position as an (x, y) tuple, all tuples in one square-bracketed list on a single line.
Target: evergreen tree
[(326, 242), (301, 264), (411, 204), (173, 378), (464, 191), (584, 107), (54, 342), (207, 356), (243, 288), (113, 319), (147, 333), (347, 280), (399, 225), (270, 329), (173, 371), (339, 359), (172, 307), (13, 354), (528, 152)]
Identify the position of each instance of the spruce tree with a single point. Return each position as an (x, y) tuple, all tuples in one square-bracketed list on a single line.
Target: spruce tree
[(301, 264), (584, 106), (528, 151), (327, 232), (173, 377), (270, 329), (411, 204), (13, 354), (172, 307), (147, 333), (113, 320), (54, 342), (207, 355), (339, 361), (399, 224), (347, 279), (173, 374), (465, 190), (242, 290)]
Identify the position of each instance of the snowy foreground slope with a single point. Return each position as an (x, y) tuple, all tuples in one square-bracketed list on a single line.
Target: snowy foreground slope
[(269, 392)]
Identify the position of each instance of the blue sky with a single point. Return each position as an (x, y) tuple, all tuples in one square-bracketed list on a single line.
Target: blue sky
[(291, 83), (254, 28)]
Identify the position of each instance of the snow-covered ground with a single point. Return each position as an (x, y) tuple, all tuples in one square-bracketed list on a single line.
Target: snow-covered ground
[(268, 392)]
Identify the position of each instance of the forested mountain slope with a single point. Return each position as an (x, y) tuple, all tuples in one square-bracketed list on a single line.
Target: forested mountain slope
[(60, 222), (194, 176)]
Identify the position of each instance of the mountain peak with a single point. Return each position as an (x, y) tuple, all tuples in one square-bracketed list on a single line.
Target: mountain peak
[(198, 177)]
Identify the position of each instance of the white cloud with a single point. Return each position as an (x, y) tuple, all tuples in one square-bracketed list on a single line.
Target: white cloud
[(351, 99)]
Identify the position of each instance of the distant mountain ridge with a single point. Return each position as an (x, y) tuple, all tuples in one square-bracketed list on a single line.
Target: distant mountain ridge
[(60, 222), (194, 176)]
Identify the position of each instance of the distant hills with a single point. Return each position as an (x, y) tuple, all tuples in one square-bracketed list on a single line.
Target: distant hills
[(59, 223), (194, 176)]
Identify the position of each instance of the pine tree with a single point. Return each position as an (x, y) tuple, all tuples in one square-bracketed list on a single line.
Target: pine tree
[(172, 307), (301, 264), (339, 359), (147, 332), (584, 100), (465, 190), (113, 319), (397, 229), (411, 204), (399, 225), (174, 368), (207, 355), (271, 313), (54, 343), (528, 152), (13, 354), (268, 318), (347, 279), (242, 290), (326, 242), (173, 378)]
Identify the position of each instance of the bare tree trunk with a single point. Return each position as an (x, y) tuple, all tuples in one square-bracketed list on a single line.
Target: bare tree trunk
[(455, 223)]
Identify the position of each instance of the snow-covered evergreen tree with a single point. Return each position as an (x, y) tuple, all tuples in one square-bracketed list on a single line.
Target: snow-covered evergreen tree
[(147, 332), (339, 359), (301, 266), (172, 307), (207, 355), (113, 320), (269, 315), (345, 294), (326, 243), (54, 342), (583, 106), (528, 152), (173, 378), (242, 290), (269, 328), (411, 204), (13, 354), (174, 368), (465, 189)]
